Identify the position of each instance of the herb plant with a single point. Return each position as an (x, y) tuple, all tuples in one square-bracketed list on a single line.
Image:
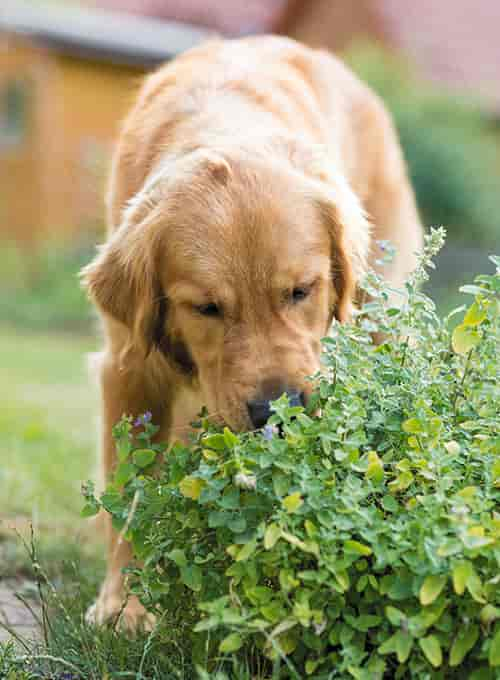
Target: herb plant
[(356, 538)]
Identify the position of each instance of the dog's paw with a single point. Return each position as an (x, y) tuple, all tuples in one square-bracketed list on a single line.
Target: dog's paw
[(130, 616)]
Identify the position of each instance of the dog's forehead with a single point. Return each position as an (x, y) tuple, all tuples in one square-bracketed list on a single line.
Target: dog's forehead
[(251, 240)]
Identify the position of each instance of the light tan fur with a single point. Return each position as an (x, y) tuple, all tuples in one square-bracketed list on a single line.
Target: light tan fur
[(246, 170)]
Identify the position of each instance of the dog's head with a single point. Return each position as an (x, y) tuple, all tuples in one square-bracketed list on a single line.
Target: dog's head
[(234, 270)]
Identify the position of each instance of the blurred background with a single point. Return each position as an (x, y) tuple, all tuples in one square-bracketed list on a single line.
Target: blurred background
[(68, 73)]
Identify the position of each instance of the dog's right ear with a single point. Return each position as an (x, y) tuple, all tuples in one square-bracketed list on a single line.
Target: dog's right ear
[(122, 281)]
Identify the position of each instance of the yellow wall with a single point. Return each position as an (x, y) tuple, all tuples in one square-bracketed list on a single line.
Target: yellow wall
[(53, 184)]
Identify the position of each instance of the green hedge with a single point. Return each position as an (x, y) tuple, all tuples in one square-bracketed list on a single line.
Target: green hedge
[(451, 147), (362, 543)]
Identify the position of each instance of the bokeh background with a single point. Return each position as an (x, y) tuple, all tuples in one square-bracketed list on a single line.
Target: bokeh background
[(68, 73)]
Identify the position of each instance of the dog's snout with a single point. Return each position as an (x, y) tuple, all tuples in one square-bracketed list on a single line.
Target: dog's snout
[(259, 410)]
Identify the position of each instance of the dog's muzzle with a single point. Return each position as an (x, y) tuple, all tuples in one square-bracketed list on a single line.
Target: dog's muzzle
[(259, 410)]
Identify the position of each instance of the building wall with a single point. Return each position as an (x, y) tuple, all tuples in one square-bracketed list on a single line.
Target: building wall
[(20, 197), (331, 24), (52, 180), (93, 99)]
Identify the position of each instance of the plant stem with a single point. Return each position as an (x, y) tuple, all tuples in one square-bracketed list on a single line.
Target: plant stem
[(462, 381)]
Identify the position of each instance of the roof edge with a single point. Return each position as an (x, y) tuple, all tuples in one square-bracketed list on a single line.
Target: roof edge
[(100, 34)]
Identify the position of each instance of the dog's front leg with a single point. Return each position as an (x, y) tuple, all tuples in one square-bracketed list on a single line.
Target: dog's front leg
[(122, 393)]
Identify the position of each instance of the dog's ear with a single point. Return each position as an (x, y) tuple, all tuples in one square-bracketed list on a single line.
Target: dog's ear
[(349, 229), (345, 217), (122, 281)]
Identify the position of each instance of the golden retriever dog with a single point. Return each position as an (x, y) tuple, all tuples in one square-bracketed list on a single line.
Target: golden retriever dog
[(249, 184)]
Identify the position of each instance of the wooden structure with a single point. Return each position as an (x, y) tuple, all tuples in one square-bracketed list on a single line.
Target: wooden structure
[(66, 79)]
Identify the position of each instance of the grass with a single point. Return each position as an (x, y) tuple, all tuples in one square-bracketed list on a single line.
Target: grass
[(47, 425), (39, 287)]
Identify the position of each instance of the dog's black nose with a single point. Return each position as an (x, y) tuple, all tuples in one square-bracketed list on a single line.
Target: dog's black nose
[(259, 410)]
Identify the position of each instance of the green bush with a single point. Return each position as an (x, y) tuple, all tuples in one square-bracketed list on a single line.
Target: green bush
[(361, 543), (451, 148)]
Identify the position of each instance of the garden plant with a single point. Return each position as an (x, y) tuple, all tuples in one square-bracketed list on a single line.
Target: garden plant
[(356, 538)]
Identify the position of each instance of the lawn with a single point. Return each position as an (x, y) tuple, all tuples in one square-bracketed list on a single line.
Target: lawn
[(47, 425)]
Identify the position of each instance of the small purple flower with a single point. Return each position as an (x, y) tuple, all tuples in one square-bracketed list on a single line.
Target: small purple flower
[(269, 432), (144, 419)]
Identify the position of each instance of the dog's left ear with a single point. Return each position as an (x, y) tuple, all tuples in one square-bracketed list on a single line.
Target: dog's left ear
[(122, 282), (349, 229), (345, 217)]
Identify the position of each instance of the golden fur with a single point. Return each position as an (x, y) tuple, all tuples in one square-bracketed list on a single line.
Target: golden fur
[(248, 170)]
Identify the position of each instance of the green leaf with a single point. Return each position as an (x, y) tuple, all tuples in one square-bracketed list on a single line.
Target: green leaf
[(271, 536), (143, 457), (488, 614), (230, 499), (192, 577), (476, 314), (90, 509), (191, 487), (395, 616), (215, 441), (432, 650), (357, 548), (124, 473), (365, 622), (292, 502), (460, 575), (494, 653), (281, 484), (287, 580), (230, 439), (178, 556), (403, 645), (450, 547), (217, 518), (463, 643), (413, 426), (237, 524), (343, 579), (230, 644), (311, 665), (306, 546), (475, 586), (375, 469), (390, 504), (402, 481), (389, 645), (431, 588), (464, 339), (495, 473), (246, 551), (471, 289)]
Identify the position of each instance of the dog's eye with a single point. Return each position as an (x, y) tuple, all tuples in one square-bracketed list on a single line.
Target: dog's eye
[(300, 293), (210, 309)]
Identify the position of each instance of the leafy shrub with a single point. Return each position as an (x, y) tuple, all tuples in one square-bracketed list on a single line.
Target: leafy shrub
[(360, 543), (451, 149)]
